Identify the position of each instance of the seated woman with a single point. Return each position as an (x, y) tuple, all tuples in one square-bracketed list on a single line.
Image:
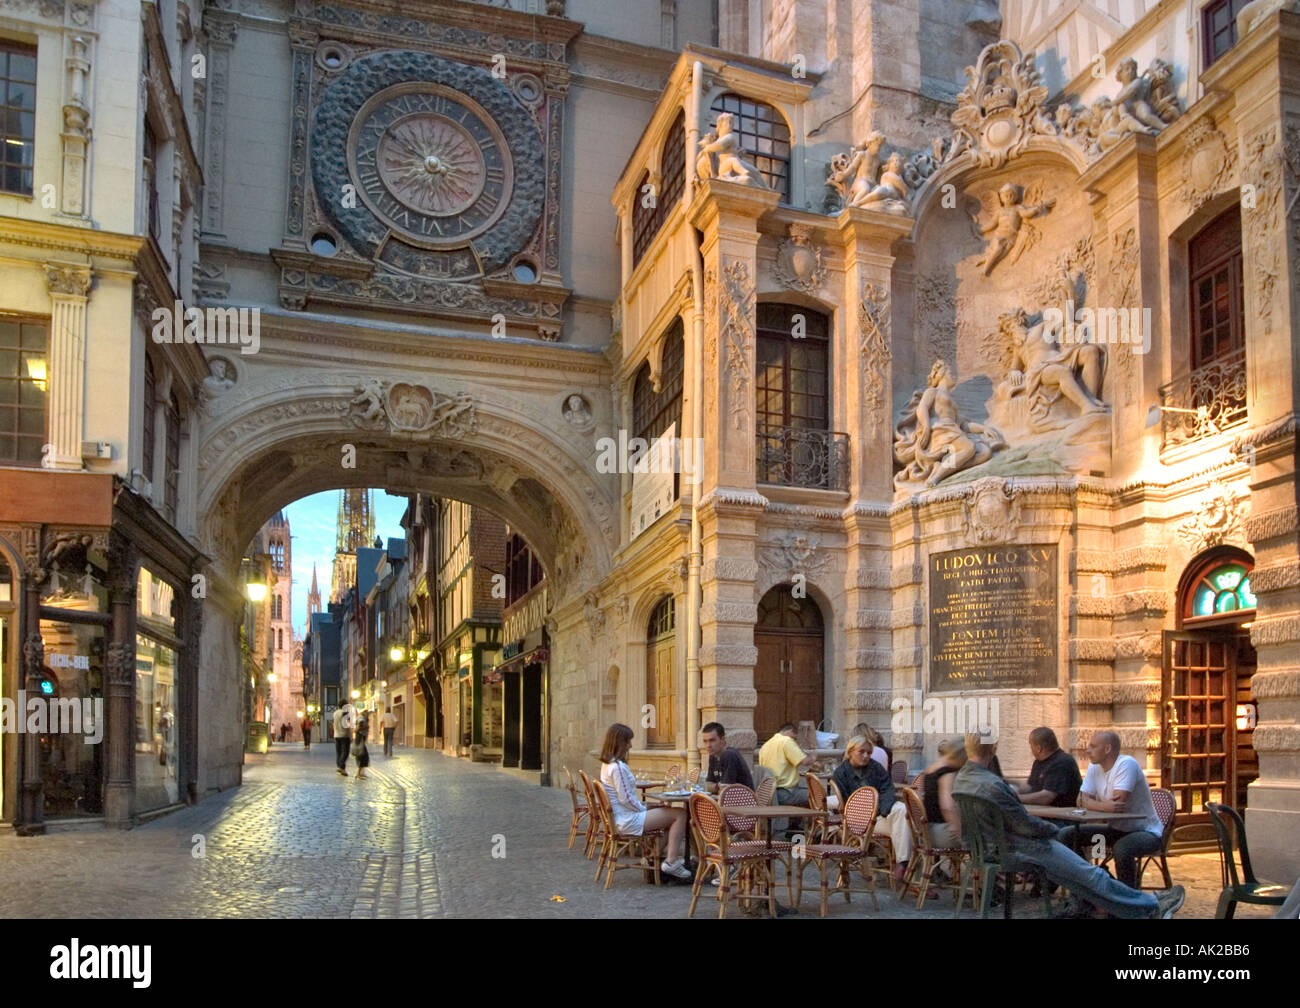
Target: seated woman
[(879, 751), (859, 769), (936, 794), (630, 815)]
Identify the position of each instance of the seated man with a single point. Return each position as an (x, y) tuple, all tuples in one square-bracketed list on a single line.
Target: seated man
[(1031, 841), (782, 755), (1115, 783), (726, 765), (859, 769), (1054, 778)]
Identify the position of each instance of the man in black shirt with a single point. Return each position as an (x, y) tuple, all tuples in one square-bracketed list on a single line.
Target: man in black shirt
[(1054, 779), (726, 765)]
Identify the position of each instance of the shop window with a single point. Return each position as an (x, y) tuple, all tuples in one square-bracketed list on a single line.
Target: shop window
[(17, 117), (1219, 27), (155, 724), (22, 391), (763, 136), (660, 677)]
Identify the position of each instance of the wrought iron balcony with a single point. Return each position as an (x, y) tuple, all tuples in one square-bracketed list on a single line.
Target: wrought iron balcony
[(799, 457), (1204, 402)]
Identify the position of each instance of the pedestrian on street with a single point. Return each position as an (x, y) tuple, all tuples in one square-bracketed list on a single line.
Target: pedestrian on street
[(342, 737), (389, 721), (306, 731), (359, 749)]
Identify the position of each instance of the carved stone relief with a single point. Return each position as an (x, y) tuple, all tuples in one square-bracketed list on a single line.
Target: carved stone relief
[(1208, 163), (1218, 519), (1000, 108), (404, 407), (730, 166), (1007, 226), (991, 511), (1264, 172), (795, 553), (737, 337), (862, 180), (873, 328), (931, 439), (799, 261)]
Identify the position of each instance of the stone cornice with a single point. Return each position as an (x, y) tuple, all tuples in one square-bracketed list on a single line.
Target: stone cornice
[(65, 238)]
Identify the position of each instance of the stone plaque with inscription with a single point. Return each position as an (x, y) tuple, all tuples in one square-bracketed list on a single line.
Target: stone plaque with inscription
[(993, 618)]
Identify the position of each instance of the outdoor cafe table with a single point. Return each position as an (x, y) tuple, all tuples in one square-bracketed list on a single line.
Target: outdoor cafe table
[(1086, 817), (769, 812), (682, 798)]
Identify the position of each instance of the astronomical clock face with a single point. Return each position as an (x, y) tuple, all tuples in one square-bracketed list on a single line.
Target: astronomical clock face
[(430, 167), (431, 164)]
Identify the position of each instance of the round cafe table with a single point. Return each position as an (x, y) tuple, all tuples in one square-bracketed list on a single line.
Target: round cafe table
[(682, 798)]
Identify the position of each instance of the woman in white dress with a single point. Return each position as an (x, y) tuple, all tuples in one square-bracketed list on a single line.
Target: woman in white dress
[(630, 815)]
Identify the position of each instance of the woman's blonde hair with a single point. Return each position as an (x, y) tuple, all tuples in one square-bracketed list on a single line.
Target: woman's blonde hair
[(856, 742), (953, 750)]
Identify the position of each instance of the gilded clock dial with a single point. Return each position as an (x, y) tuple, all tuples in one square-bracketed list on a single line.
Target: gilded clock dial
[(430, 163)]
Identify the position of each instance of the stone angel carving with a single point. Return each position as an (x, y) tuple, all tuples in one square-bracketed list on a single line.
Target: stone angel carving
[(931, 439), (1008, 230)]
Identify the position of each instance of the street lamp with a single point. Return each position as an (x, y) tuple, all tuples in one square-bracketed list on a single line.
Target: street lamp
[(356, 694), (256, 585), (396, 652)]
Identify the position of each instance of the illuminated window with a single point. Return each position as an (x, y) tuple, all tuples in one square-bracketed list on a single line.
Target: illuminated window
[(22, 392), (763, 136), (17, 117), (1223, 589)]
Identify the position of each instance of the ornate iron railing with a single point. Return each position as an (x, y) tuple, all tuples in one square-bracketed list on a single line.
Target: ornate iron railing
[(1204, 402), (796, 456)]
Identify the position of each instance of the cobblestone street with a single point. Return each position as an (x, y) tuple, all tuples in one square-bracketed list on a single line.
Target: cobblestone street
[(414, 840)]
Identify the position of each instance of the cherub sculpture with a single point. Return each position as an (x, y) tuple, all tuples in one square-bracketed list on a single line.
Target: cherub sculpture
[(862, 182), (368, 403), (726, 145), (1004, 229), (931, 439), (1145, 104)]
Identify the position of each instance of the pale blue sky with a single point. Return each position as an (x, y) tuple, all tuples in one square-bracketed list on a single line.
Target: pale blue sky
[(313, 524)]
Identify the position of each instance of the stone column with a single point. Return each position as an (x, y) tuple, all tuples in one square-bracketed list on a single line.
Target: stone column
[(1258, 72), (865, 350), (69, 286), (119, 738), (727, 214)]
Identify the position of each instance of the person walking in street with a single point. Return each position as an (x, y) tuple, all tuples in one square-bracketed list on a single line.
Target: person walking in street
[(359, 749), (306, 731), (342, 737), (389, 721)]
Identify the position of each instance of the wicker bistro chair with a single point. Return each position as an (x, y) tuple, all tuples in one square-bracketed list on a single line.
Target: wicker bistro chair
[(898, 770), (743, 828), (618, 845), (581, 810), (918, 782), (853, 850), (1231, 832), (766, 791), (926, 857), (693, 775), (821, 831), (751, 859), (1165, 806), (595, 825), (984, 829)]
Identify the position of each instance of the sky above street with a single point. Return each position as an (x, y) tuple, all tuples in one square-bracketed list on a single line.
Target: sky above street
[(313, 523)]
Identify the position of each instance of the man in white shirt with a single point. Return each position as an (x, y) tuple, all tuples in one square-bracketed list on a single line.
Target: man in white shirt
[(343, 721), (389, 721), (1115, 783)]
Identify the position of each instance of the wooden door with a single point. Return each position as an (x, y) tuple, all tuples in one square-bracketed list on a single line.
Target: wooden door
[(788, 679), (659, 672), (1199, 738)]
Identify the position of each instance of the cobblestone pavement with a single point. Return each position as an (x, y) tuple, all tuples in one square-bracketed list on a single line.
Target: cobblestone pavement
[(417, 839)]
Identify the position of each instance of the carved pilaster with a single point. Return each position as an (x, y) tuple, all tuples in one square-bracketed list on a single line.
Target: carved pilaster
[(303, 41), (221, 30), (69, 286), (76, 129)]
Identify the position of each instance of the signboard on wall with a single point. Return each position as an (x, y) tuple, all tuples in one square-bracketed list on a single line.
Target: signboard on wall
[(994, 618), (652, 481)]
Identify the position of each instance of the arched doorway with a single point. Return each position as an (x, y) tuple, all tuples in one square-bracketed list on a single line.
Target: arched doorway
[(660, 681), (1209, 713), (788, 676)]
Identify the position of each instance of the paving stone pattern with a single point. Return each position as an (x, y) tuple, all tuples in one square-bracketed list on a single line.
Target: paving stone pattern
[(416, 839)]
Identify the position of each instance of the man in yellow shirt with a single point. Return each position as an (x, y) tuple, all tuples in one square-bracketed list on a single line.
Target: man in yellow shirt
[(782, 755)]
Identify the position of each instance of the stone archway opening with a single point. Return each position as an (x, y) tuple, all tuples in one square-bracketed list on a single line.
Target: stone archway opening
[(789, 675)]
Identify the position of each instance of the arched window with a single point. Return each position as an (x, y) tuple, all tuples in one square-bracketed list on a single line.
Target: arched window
[(1218, 314), (1218, 590), (651, 208), (763, 135), (653, 412), (793, 397), (661, 635)]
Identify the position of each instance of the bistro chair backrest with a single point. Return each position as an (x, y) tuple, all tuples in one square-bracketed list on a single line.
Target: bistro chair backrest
[(602, 802), (693, 775), (816, 791), (916, 818), (573, 791), (860, 812), (739, 796), (1232, 838), (984, 829), (918, 783), (674, 772), (1163, 800), (766, 791), (899, 771), (708, 818), (591, 789)]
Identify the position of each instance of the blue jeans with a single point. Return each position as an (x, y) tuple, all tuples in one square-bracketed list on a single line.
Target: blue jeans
[(342, 746), (1127, 847), (1089, 882)]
